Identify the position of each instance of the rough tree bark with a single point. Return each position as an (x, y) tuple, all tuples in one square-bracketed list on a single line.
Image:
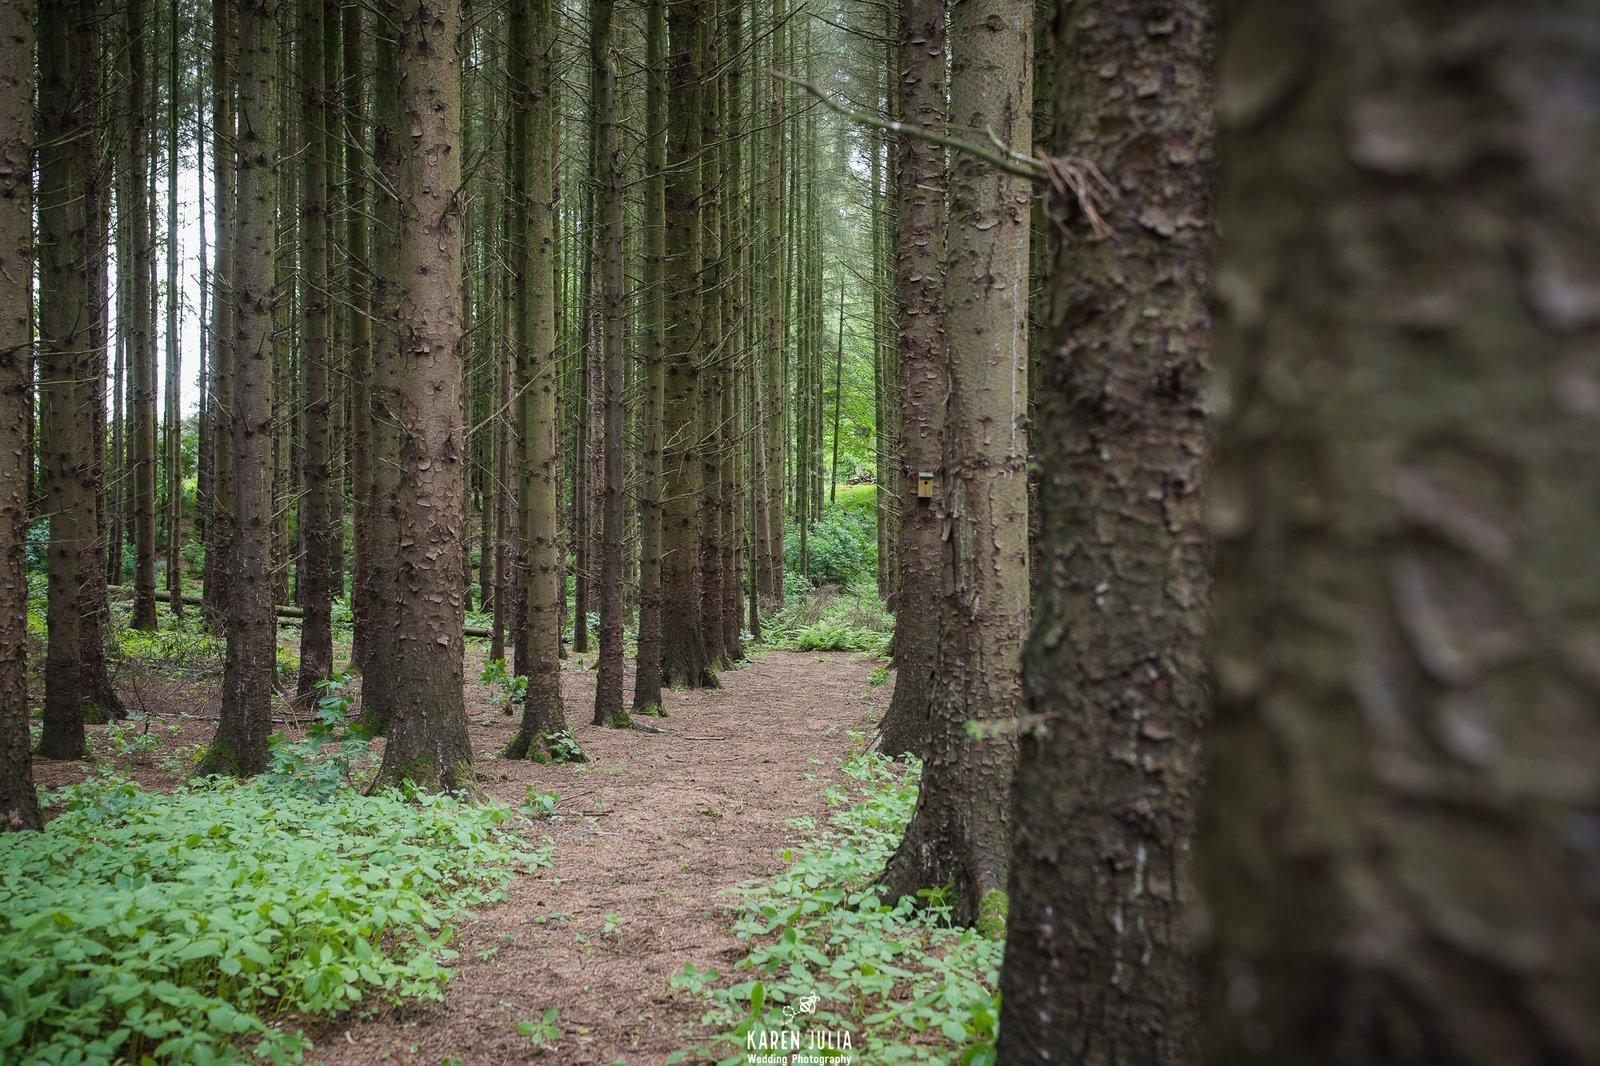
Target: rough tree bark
[(776, 369), (250, 664), (647, 667), (358, 307), (219, 525), (19, 806), (428, 742), (375, 625), (315, 589), (683, 653), (141, 334), (1100, 949), (539, 476), (960, 832), (1397, 852), (172, 446), (919, 293), (68, 105), (608, 708)]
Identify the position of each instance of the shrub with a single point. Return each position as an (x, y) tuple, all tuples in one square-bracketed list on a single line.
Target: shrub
[(826, 620), (842, 545), (186, 926), (182, 648)]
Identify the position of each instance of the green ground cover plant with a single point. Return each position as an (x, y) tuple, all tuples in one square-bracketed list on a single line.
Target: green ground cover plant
[(826, 619), (908, 985), (211, 923)]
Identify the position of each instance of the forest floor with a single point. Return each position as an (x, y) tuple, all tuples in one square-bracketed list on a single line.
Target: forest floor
[(648, 836)]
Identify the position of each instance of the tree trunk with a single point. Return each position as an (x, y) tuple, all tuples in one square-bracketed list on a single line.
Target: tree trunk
[(1110, 764), (960, 832), (683, 653), (428, 741), (378, 669), (19, 805), (358, 305), (141, 336), (315, 593), (250, 665), (713, 353), (919, 293), (68, 113), (173, 446), (608, 707), (535, 332), (777, 336), (647, 667), (219, 527), (1393, 851)]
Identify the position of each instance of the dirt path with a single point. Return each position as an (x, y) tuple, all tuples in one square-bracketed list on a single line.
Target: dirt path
[(649, 835)]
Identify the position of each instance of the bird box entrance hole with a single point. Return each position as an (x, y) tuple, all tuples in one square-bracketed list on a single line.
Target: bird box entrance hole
[(925, 486)]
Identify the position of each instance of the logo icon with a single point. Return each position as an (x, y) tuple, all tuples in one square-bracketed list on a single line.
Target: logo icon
[(805, 1005)]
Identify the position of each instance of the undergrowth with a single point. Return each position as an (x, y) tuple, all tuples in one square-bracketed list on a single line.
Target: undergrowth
[(827, 952), (206, 924), (829, 620), (841, 544)]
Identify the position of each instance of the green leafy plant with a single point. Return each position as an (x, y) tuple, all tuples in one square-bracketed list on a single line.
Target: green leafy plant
[(842, 545), (896, 974), (828, 620), (130, 738), (188, 927), (539, 804), (506, 691), (331, 754), (543, 1032), (564, 747), (182, 649)]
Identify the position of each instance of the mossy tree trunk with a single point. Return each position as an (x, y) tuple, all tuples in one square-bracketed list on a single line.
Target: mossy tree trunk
[(1100, 947)]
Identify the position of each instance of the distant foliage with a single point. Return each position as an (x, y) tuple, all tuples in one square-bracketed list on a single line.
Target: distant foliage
[(174, 928), (182, 649), (842, 545), (896, 975), (828, 620)]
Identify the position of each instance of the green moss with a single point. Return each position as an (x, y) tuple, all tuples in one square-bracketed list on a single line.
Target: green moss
[(993, 909), (423, 772), (620, 720), (222, 758), (94, 714), (650, 710)]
